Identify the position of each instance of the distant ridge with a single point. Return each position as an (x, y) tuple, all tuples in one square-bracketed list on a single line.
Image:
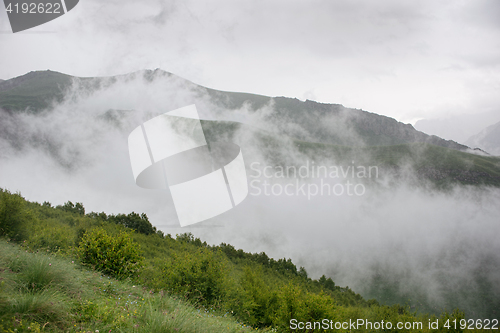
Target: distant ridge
[(487, 140), (459, 127)]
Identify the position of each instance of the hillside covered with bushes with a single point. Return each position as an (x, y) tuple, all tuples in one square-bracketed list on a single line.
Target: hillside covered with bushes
[(65, 270)]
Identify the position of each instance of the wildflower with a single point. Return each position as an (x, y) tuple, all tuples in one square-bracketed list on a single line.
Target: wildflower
[(50, 264)]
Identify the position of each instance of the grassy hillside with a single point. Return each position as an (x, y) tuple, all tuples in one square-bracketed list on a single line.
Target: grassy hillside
[(46, 292), (50, 284)]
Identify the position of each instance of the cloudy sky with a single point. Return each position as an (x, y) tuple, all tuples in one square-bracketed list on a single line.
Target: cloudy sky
[(405, 59)]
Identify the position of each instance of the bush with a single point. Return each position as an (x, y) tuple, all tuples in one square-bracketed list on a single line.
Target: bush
[(13, 215), (54, 237), (290, 306), (201, 276), (117, 256), (255, 301)]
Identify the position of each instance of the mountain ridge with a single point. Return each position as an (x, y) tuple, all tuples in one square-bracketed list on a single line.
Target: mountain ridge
[(488, 139), (37, 90)]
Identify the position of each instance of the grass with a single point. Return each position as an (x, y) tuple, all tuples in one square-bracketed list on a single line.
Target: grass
[(50, 293)]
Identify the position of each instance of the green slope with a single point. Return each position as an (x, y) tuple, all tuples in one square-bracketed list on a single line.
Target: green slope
[(222, 289), (441, 166), (69, 298), (34, 91)]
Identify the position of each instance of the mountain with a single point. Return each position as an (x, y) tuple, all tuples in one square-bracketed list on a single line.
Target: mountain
[(459, 127), (36, 91), (313, 129), (33, 91), (488, 140)]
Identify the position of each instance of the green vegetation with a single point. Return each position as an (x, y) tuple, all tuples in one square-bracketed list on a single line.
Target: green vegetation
[(13, 216), (164, 285), (117, 256), (440, 166), (47, 292)]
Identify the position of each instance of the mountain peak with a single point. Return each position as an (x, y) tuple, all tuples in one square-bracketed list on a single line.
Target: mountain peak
[(487, 140), (318, 122)]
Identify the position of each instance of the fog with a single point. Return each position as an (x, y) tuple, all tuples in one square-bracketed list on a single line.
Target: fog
[(439, 245), (409, 60)]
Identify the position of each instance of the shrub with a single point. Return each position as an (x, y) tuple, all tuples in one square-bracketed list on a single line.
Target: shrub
[(255, 299), (201, 276), (13, 215), (317, 306), (53, 236), (117, 256), (290, 306)]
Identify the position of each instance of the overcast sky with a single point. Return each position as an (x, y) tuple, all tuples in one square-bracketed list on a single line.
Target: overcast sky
[(405, 59)]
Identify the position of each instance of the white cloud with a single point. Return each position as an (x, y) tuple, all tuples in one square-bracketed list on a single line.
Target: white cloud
[(408, 60)]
